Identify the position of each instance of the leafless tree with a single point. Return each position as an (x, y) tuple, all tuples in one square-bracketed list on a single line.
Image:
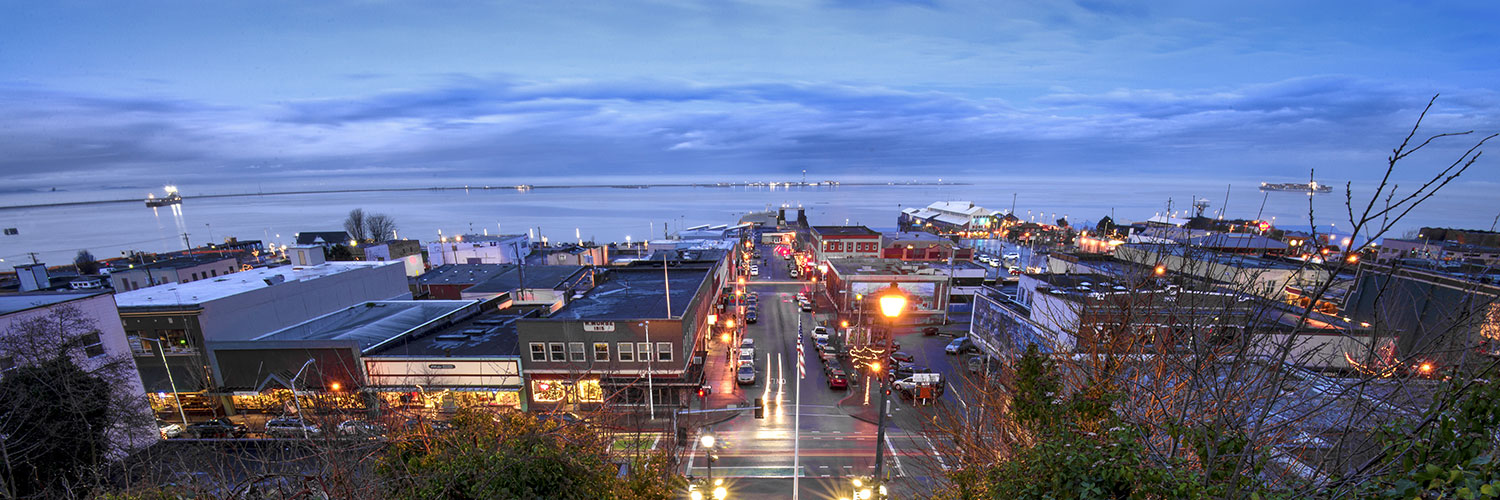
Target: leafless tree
[(382, 227), (356, 225)]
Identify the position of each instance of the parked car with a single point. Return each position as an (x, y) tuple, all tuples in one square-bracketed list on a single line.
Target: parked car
[(793, 273), (978, 364), (755, 271), (820, 332), (418, 423), (360, 428), (751, 317), (904, 370), (217, 428), (904, 357), (1012, 256), (821, 344), (837, 379), (930, 331), (168, 430), (801, 297), (748, 343), (958, 346), (806, 306), (746, 375), (747, 356), (291, 427)]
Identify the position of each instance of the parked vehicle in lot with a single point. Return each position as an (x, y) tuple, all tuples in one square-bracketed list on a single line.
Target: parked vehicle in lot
[(290, 427), (909, 387), (930, 331), (978, 364), (904, 357), (746, 375), (959, 346), (217, 428), (837, 379), (1012, 256), (168, 430), (360, 428), (820, 332), (904, 370)]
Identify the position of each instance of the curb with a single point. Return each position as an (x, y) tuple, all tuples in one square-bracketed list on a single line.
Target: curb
[(857, 415)]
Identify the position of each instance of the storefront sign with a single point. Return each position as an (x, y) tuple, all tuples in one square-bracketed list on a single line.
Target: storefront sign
[(598, 326)]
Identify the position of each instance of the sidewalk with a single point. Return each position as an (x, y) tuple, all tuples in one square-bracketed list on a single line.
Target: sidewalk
[(718, 374)]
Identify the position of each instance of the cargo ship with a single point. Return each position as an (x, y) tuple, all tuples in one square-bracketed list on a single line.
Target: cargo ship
[(172, 198), (1311, 187)]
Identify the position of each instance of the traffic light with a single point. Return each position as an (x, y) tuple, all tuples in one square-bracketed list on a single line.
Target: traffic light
[(760, 409), (704, 391)]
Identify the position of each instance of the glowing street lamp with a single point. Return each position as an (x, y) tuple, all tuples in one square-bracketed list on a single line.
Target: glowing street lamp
[(892, 304)]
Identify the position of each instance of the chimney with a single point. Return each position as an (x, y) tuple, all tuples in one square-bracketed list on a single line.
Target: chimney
[(33, 277)]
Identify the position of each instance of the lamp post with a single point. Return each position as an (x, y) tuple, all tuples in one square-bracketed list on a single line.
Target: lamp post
[(162, 347), (297, 400), (892, 304), (708, 444)]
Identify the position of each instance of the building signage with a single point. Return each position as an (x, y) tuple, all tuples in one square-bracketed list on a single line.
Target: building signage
[(598, 326)]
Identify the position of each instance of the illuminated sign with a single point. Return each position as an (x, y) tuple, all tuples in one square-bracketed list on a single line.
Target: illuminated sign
[(598, 326)]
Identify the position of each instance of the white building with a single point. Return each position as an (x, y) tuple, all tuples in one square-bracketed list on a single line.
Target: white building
[(479, 249), (106, 344), (408, 252), (950, 215), (245, 305)]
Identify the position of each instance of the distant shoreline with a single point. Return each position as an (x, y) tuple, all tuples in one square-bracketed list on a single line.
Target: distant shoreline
[(522, 187)]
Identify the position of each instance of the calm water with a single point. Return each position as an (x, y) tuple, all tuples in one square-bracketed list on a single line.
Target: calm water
[(612, 214)]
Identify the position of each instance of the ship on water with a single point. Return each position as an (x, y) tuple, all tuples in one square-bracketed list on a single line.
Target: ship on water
[(171, 198), (1309, 188)]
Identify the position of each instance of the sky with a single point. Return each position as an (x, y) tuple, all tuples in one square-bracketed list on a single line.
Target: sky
[(102, 94)]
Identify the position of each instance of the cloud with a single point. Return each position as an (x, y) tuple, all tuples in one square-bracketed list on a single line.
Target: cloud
[(472, 127)]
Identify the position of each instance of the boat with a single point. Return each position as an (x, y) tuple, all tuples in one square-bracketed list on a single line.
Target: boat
[(1310, 187), (172, 198)]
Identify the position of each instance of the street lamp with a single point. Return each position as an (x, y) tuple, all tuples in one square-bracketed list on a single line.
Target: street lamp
[(892, 304), (297, 400), (708, 444), (162, 347)]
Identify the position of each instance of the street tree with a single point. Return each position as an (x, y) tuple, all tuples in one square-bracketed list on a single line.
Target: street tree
[(355, 224), (86, 263), (382, 227)]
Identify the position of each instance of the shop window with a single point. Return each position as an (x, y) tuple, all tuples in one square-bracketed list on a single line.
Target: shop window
[(538, 351), (601, 351), (664, 351), (556, 350), (627, 351), (575, 352)]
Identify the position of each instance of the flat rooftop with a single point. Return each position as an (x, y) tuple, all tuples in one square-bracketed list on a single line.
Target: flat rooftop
[(180, 262), (373, 324), (1201, 255), (826, 231), (198, 292), (458, 274), (888, 267), (17, 302), (537, 277), (489, 334), (624, 294)]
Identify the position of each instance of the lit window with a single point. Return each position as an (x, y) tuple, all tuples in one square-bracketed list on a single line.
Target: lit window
[(575, 352), (627, 351), (601, 351), (556, 349), (538, 351)]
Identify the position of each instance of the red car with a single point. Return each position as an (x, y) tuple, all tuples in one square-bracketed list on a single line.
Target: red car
[(837, 379), (903, 357)]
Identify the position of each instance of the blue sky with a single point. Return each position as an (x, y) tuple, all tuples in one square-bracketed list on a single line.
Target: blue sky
[(107, 93)]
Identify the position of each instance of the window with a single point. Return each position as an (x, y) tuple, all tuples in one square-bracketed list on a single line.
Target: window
[(94, 351), (645, 349), (538, 351), (601, 351), (575, 352), (664, 351), (215, 272), (556, 350), (195, 277), (627, 351)]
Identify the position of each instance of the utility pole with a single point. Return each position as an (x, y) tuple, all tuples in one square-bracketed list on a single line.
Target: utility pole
[(185, 241)]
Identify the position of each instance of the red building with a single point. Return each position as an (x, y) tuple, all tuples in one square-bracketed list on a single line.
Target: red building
[(842, 242)]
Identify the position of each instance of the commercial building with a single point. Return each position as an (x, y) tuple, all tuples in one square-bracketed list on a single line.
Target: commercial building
[(528, 287), (372, 352), (639, 329), (949, 217), (479, 249), (1260, 276), (176, 270), (853, 284), (168, 326), (1430, 315), (922, 246), (447, 282), (102, 351), (409, 252), (323, 239), (845, 242)]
